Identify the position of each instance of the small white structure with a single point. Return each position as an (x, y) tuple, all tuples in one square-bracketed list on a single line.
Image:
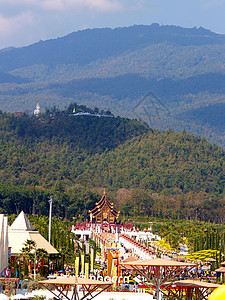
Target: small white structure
[(82, 234), (183, 249), (4, 245), (37, 111), (141, 235)]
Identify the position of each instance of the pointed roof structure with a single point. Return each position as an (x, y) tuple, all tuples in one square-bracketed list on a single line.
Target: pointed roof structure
[(104, 211), (22, 223), (22, 230)]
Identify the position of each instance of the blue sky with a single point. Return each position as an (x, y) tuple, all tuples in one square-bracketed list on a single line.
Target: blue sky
[(23, 22)]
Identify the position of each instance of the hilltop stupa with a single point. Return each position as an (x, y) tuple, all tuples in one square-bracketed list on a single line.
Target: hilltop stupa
[(37, 111)]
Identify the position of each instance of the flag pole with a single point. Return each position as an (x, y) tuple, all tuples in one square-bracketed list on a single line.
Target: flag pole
[(50, 218)]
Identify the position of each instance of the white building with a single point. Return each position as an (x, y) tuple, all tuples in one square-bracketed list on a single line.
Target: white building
[(3, 243), (37, 111), (22, 230)]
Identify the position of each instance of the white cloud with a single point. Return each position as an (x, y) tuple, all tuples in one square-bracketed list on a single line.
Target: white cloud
[(18, 6), (63, 5), (17, 30), (24, 21), (104, 5), (53, 5), (12, 25), (5, 26), (96, 5)]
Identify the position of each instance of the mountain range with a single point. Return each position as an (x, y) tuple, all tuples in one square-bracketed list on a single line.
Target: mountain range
[(167, 76)]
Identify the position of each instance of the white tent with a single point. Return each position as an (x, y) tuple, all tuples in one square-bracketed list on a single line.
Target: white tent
[(19, 296), (22, 230), (3, 297), (3, 243)]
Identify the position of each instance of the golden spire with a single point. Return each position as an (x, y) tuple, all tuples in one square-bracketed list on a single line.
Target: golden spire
[(104, 191)]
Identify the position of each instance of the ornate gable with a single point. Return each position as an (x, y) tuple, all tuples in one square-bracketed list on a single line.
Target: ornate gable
[(104, 211)]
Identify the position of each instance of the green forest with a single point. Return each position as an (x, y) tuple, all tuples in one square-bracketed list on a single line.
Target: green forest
[(73, 158)]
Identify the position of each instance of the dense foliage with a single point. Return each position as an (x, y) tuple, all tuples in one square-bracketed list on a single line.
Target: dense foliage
[(145, 172), (204, 240), (159, 161), (40, 156), (40, 151)]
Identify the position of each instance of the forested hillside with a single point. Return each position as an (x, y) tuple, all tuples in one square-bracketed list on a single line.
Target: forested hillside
[(182, 68), (42, 150), (161, 161), (144, 171)]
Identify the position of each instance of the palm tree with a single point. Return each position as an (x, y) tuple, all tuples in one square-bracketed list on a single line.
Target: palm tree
[(27, 252), (40, 254), (30, 253)]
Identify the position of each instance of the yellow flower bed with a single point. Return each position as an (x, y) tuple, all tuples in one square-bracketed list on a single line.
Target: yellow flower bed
[(164, 244), (203, 255)]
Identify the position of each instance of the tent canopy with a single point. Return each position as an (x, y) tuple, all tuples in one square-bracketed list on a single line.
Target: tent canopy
[(74, 281), (158, 262)]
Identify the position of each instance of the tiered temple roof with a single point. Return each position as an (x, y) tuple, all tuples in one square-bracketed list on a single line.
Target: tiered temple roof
[(104, 211)]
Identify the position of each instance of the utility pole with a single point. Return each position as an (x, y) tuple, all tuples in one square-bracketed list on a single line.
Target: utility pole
[(50, 218), (35, 258)]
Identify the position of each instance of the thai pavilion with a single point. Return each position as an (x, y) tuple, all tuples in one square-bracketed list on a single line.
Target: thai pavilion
[(104, 212), (103, 217)]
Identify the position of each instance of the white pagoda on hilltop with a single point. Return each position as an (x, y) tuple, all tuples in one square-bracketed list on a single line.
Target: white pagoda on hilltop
[(37, 111)]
